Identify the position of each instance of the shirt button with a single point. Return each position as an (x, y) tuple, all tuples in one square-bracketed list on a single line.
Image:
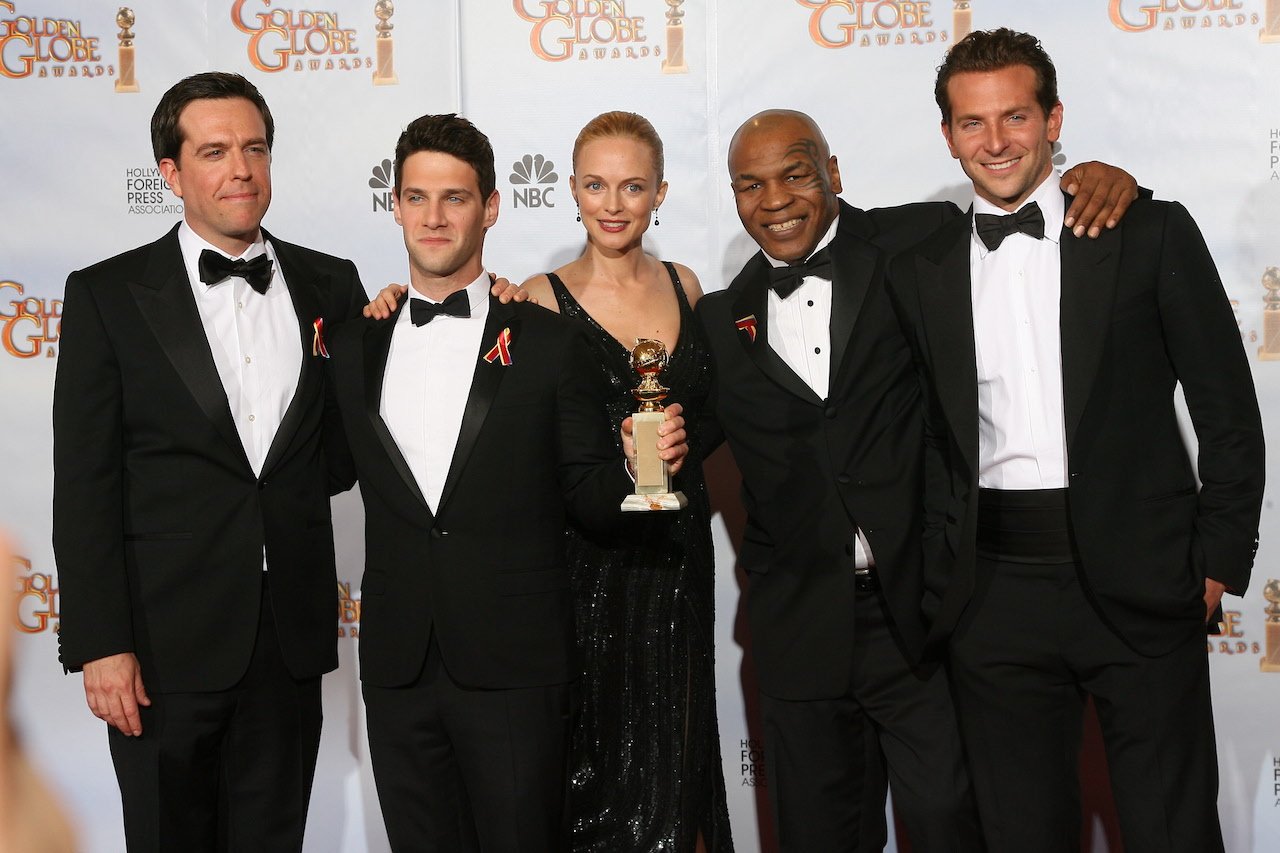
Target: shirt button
[(240, 305), (248, 359), (810, 303), (252, 418), (817, 350)]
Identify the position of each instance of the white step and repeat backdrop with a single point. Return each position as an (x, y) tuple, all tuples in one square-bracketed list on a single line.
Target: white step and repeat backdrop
[(1183, 93)]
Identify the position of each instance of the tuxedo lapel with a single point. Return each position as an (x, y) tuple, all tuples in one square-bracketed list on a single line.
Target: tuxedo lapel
[(164, 298), (946, 304), (853, 264), (753, 300), (1089, 274), (304, 286), (485, 382), (377, 344)]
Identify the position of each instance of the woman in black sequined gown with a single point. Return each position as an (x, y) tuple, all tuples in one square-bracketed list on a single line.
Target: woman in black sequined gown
[(644, 771)]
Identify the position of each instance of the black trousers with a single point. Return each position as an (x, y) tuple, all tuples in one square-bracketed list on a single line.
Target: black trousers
[(227, 771), (1024, 658), (462, 769), (828, 760)]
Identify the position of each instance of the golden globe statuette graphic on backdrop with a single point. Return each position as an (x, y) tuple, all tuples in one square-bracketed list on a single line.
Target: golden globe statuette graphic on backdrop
[(1270, 23), (1271, 658), (653, 480), (961, 20), (1270, 349), (674, 63), (126, 82), (384, 73)]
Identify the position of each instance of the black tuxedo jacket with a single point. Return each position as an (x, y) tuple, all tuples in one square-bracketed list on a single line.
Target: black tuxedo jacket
[(1142, 310), (159, 521), (814, 469), (485, 572)]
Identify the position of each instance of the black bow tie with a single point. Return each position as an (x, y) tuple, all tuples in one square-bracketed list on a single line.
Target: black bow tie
[(993, 228), (456, 304), (215, 267), (784, 280)]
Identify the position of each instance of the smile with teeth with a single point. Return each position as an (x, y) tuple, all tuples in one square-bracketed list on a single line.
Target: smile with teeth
[(785, 226), (612, 224), (1004, 164)]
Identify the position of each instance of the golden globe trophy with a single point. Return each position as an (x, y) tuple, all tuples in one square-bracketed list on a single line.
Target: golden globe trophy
[(1271, 657), (961, 20), (674, 63), (653, 480), (126, 82), (384, 72), (1270, 23), (1270, 349)]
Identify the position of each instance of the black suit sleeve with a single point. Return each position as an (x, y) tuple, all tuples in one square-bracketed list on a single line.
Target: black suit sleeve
[(1203, 343), (904, 296), (88, 485), (349, 301)]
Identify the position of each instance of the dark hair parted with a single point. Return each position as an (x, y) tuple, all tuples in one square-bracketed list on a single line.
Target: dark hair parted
[(993, 50), (453, 135), (166, 135)]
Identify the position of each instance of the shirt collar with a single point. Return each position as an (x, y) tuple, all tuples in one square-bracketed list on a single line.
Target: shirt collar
[(1052, 205), (477, 293), (192, 244)]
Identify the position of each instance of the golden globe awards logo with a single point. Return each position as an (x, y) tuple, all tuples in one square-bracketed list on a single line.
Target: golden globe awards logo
[(288, 40), (1140, 16), (29, 327), (348, 611), (36, 601), (47, 46), (585, 30), (838, 24)]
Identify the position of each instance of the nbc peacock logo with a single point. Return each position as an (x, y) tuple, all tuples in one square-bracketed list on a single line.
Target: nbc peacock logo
[(382, 183), (533, 179)]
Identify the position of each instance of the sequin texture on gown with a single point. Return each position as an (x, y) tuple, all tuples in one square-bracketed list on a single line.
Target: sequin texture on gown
[(644, 767)]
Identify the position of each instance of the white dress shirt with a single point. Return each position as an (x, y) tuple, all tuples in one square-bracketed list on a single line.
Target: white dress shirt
[(1017, 290), (255, 340), (799, 331), (799, 328), (427, 383)]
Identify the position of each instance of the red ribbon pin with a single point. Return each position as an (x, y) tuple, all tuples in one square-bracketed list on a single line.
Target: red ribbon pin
[(747, 324), (317, 340), (501, 351)]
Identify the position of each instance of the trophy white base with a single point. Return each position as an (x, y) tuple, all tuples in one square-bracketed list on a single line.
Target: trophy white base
[(663, 501)]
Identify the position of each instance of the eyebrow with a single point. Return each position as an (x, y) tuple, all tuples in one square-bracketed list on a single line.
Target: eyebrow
[(220, 143), (788, 166), (445, 191), (632, 179)]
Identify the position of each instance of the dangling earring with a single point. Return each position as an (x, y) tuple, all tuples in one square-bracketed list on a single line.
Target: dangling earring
[(579, 216), (655, 216)]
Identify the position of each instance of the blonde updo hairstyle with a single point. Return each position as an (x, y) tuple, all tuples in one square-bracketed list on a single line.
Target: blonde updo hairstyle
[(623, 125)]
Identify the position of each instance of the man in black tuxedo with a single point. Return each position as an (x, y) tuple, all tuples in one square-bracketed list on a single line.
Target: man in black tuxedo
[(1066, 538), (191, 499), (817, 397), (472, 426)]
